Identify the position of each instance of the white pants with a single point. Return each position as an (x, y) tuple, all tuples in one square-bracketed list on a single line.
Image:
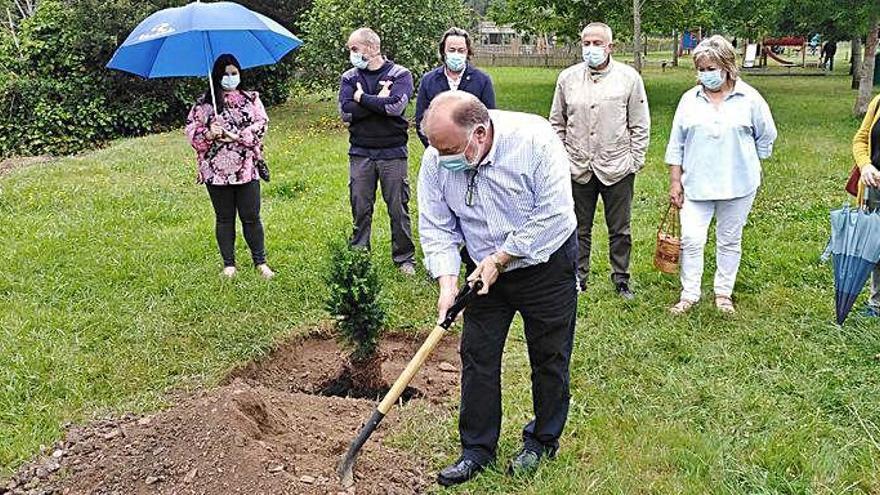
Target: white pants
[(731, 215)]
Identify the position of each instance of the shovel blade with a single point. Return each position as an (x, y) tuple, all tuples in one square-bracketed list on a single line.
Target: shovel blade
[(346, 465)]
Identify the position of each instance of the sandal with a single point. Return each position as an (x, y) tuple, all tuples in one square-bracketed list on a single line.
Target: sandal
[(682, 307), (725, 304)]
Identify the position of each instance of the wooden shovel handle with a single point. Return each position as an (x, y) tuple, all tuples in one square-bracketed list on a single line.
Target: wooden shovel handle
[(412, 368)]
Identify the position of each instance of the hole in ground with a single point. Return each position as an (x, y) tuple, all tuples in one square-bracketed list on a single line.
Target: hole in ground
[(316, 365), (343, 386)]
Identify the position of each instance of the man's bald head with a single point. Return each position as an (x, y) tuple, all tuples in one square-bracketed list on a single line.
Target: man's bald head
[(451, 118), (365, 36)]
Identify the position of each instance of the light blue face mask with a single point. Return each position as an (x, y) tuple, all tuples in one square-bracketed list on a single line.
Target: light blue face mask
[(458, 162), (456, 62), (593, 55), (712, 79), (454, 163), (358, 60), (229, 82)]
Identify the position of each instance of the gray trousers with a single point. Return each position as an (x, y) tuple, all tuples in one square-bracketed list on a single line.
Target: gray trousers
[(364, 173), (617, 199)]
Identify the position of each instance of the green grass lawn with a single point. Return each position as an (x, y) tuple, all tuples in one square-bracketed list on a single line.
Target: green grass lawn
[(111, 299)]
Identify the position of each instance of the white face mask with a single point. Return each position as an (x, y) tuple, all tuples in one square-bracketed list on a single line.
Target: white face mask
[(229, 83), (594, 56)]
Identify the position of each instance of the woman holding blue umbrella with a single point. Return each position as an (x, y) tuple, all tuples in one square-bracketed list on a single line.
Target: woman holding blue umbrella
[(226, 126), (228, 140)]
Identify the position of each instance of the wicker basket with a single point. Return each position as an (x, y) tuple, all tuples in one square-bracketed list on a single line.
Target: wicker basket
[(668, 251)]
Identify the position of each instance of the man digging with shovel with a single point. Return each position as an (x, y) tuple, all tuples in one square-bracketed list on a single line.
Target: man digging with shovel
[(498, 182)]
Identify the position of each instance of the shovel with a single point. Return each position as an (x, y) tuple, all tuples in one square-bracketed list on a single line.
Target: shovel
[(346, 466)]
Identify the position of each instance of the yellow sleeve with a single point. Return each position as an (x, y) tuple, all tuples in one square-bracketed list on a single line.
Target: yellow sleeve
[(862, 140)]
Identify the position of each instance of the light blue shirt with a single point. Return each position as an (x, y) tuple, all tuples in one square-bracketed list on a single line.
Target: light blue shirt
[(521, 199), (720, 149)]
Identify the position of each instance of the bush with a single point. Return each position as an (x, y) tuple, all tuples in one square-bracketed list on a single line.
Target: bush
[(61, 97), (409, 30), (355, 299)]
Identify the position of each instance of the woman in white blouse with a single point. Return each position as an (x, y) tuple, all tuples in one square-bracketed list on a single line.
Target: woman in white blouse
[(721, 131)]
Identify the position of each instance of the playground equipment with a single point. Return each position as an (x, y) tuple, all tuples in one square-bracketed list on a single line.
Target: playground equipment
[(792, 41), (689, 40)]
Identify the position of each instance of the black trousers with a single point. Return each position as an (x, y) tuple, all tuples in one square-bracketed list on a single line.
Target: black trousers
[(618, 213), (546, 297), (244, 199)]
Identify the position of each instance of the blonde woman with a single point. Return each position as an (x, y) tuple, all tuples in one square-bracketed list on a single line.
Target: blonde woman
[(721, 131)]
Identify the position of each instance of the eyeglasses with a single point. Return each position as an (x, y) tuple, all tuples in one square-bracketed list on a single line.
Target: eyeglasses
[(472, 186)]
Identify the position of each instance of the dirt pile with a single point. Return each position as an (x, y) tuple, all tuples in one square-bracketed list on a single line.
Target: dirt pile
[(261, 432)]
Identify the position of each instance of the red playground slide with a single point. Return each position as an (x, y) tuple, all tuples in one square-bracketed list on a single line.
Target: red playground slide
[(769, 53)]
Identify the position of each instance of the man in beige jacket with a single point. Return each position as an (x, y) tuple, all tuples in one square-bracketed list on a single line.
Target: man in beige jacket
[(600, 111)]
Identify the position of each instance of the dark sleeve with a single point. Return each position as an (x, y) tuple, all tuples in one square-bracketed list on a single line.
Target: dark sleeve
[(488, 94), (349, 109), (395, 104), (374, 103), (422, 103)]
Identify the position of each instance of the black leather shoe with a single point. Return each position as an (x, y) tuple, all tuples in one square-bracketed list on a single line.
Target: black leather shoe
[(460, 472), (527, 461), (624, 291)]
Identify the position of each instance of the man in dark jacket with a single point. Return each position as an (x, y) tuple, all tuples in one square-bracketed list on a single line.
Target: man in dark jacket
[(373, 96), (829, 50), (456, 73)]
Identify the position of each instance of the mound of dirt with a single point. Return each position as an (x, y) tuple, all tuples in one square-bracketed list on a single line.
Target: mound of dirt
[(261, 432)]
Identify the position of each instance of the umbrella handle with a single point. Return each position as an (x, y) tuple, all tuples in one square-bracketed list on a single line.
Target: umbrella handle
[(860, 197), (208, 56)]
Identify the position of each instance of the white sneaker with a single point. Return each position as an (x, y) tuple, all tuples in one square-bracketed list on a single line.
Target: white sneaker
[(228, 272), (265, 271)]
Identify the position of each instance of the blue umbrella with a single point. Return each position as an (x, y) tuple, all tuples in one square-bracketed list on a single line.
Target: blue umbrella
[(185, 41), (855, 249)]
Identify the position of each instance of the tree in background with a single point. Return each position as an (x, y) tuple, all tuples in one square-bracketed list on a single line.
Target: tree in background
[(746, 19), (480, 7), (866, 79), (409, 30), (628, 20)]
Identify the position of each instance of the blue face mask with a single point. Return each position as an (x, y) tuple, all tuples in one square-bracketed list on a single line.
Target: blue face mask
[(456, 62), (712, 79), (594, 56), (458, 162), (358, 60)]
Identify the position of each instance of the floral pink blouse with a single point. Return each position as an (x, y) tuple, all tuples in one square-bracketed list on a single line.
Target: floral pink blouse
[(220, 163)]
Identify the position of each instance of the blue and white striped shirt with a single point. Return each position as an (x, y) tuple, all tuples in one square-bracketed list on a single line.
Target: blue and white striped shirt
[(521, 199)]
